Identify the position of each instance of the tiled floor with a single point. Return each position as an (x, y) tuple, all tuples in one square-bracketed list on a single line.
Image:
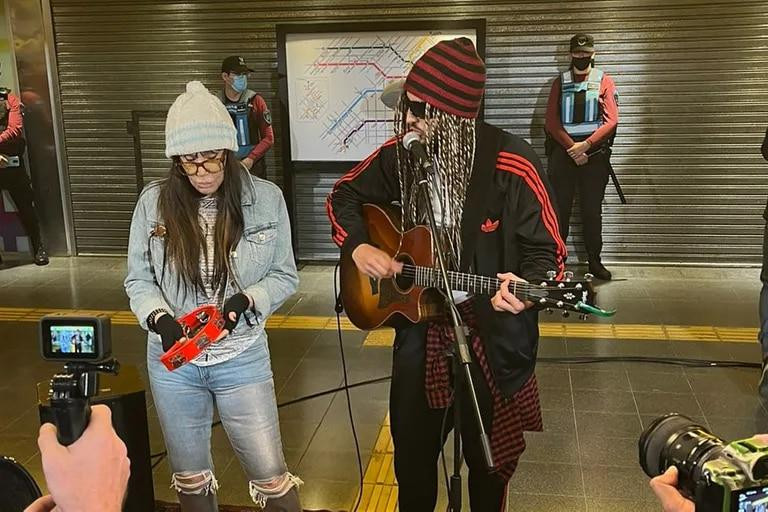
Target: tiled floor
[(586, 459)]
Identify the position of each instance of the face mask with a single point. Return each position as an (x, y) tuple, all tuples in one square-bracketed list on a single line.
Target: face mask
[(240, 83), (581, 63)]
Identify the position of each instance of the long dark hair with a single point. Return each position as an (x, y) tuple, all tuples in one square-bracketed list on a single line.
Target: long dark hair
[(178, 205)]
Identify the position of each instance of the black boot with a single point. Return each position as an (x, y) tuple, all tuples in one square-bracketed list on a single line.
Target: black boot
[(41, 257), (597, 269)]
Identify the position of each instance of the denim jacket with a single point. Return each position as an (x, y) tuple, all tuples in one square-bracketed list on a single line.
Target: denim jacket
[(262, 261)]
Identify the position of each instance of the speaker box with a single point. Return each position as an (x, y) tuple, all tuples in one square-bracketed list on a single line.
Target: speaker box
[(124, 394)]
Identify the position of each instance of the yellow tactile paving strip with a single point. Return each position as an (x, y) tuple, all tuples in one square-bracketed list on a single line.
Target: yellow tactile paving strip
[(384, 337), (379, 486)]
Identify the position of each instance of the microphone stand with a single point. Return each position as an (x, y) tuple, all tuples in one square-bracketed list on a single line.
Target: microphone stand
[(461, 358)]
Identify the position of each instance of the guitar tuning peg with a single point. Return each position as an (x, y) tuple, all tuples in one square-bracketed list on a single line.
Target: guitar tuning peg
[(549, 311), (568, 275), (566, 314), (542, 300), (578, 286), (588, 276), (551, 274), (543, 283)]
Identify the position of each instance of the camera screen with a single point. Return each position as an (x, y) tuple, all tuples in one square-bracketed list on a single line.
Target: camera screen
[(754, 499), (69, 339)]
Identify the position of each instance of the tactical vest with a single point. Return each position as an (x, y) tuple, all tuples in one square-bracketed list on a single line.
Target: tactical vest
[(579, 106), (248, 134)]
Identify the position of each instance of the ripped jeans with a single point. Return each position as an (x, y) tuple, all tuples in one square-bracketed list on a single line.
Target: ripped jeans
[(243, 391)]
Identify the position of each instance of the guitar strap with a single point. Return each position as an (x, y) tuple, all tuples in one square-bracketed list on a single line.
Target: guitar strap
[(486, 152)]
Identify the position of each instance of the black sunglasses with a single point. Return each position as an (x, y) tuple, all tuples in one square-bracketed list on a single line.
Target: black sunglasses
[(417, 108)]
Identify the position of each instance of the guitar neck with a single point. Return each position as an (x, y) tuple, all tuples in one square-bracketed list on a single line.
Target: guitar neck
[(427, 277)]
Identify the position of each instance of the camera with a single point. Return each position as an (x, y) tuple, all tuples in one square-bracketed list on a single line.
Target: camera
[(719, 476), (84, 344), (75, 338)]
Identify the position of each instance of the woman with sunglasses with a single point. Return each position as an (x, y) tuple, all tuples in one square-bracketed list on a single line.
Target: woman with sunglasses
[(210, 233)]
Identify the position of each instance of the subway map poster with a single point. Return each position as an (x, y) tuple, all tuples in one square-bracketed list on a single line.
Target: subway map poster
[(334, 86)]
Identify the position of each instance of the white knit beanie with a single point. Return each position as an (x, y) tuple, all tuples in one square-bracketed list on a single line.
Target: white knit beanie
[(198, 121)]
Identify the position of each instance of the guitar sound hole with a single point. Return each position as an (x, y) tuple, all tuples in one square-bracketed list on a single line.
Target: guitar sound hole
[(404, 282)]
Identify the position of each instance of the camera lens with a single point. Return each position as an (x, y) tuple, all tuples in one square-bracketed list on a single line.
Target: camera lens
[(678, 440)]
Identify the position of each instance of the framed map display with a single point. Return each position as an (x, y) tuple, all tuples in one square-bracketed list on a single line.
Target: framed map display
[(334, 79)]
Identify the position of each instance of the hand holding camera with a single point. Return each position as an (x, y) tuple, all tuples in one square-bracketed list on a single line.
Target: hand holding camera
[(84, 344), (664, 487), (98, 453), (694, 470)]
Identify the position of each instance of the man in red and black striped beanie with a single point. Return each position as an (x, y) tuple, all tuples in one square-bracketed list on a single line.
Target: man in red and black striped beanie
[(450, 76), (495, 219)]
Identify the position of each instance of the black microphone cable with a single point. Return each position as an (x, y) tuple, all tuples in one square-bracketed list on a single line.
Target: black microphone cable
[(339, 307)]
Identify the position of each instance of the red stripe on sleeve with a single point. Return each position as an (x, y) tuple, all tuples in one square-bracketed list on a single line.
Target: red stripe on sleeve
[(339, 233), (538, 186), (520, 166)]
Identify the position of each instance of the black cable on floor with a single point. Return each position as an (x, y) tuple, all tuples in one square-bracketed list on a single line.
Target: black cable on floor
[(339, 307), (688, 363), (681, 361)]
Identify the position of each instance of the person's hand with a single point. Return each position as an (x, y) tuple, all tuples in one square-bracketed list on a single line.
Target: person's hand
[(3, 161), (665, 488), (169, 329), (504, 299), (374, 262), (247, 162), (91, 474), (578, 149), (233, 309), (581, 159), (44, 504)]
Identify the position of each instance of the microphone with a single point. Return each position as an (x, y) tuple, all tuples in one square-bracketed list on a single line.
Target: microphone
[(413, 144)]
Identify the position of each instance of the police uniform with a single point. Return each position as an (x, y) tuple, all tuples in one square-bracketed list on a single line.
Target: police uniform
[(252, 119), (582, 108), (13, 177)]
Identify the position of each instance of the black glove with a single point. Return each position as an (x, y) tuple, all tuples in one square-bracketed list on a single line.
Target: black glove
[(170, 331), (237, 304)]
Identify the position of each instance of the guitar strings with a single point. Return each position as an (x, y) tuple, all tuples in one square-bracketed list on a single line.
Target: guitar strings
[(414, 272)]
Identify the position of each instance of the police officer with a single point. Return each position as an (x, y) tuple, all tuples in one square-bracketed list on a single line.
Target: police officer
[(13, 175), (582, 115), (250, 114)]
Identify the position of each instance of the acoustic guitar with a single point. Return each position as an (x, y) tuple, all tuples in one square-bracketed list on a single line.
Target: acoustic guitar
[(412, 296)]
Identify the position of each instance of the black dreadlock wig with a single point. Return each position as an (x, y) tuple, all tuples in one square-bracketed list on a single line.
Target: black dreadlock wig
[(450, 143)]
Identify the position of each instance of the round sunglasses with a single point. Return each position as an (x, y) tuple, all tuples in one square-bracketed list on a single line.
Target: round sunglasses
[(213, 163)]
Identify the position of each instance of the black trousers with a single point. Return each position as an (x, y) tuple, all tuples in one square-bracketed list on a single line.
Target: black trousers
[(590, 180), (16, 182), (417, 437)]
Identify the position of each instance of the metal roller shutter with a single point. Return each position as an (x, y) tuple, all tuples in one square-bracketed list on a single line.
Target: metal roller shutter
[(690, 74)]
